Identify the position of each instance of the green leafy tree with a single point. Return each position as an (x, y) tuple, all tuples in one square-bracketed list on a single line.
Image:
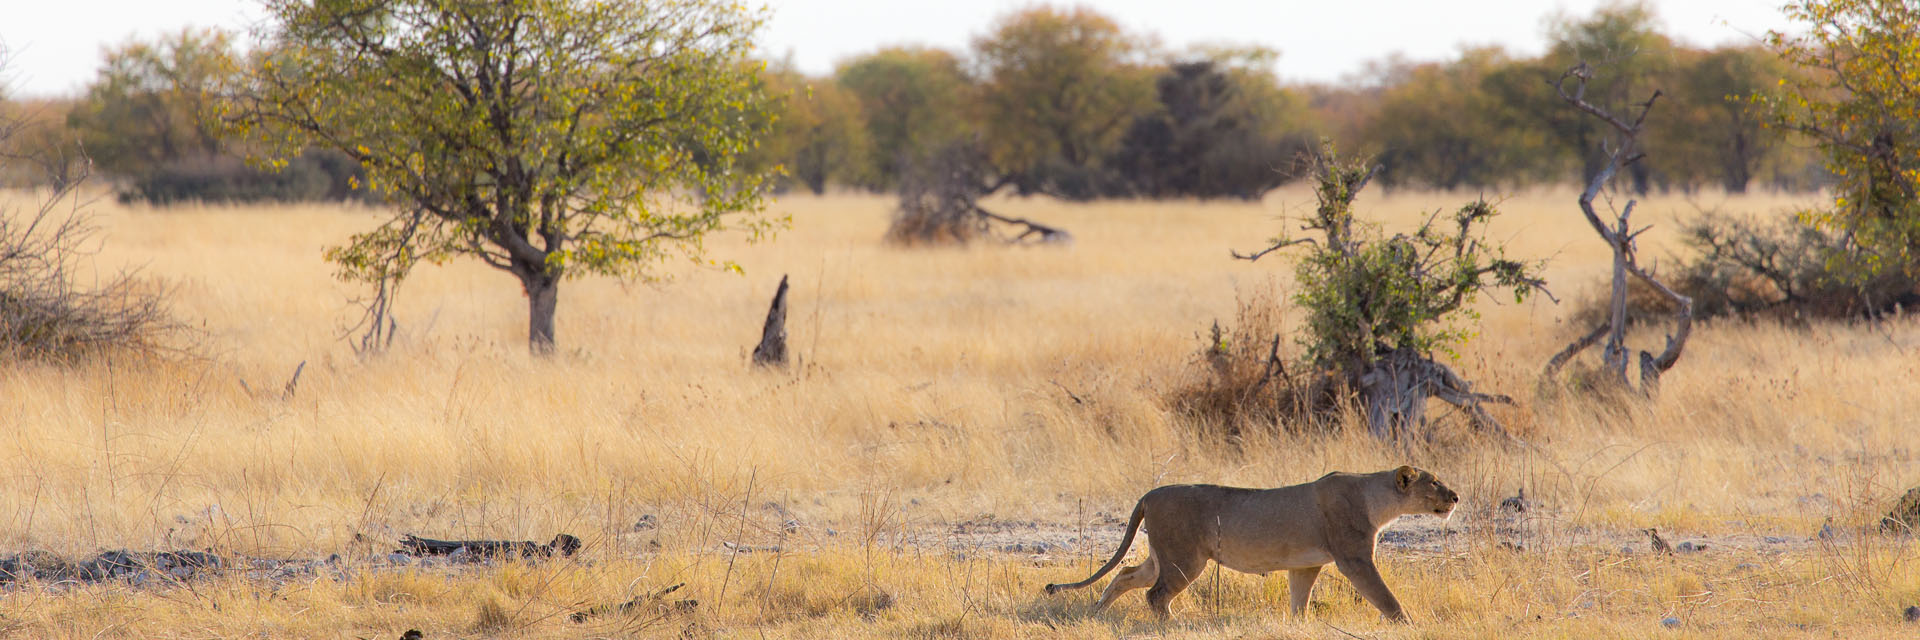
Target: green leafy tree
[(1858, 99), (1060, 89), (547, 138), (1711, 133), (1619, 38), (1438, 126), (150, 104), (916, 101), (819, 135)]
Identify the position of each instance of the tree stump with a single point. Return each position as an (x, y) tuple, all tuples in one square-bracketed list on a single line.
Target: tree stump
[(773, 336), (1395, 388)]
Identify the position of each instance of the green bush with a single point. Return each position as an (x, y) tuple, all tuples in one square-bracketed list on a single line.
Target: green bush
[(314, 176)]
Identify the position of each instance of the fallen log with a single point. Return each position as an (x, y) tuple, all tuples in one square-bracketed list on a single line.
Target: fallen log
[(563, 544)]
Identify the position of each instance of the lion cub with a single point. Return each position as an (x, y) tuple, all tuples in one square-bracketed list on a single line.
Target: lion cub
[(1299, 528)]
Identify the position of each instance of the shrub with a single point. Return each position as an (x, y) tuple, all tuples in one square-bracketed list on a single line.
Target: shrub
[(310, 177), (1241, 381), (1771, 268), (43, 316)]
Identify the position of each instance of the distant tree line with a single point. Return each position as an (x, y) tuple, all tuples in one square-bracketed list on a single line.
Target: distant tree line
[(1067, 104), (1064, 102)]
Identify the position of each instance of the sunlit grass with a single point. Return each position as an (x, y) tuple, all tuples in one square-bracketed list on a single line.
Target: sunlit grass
[(932, 386)]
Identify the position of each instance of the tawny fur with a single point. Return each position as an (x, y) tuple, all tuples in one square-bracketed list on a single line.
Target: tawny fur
[(1298, 529)]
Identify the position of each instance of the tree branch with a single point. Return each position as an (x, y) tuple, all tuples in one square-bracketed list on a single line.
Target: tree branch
[(1250, 257)]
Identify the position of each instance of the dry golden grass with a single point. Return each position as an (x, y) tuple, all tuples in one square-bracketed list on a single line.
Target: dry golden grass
[(933, 389)]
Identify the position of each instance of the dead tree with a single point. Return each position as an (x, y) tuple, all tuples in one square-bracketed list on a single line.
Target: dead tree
[(940, 204), (772, 351), (1620, 237)]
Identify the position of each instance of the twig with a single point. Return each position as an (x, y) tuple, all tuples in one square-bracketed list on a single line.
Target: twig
[(1342, 631), (294, 382), (720, 600), (1069, 392), (1278, 245)]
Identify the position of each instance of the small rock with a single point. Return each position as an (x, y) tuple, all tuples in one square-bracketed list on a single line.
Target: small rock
[(832, 532), (399, 559), (1041, 547), (1745, 566), (1912, 614), (646, 522), (1689, 547), (1626, 551), (790, 526), (1775, 540), (1670, 622)]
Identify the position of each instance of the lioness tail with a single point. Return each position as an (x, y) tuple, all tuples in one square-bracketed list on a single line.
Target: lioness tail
[(1133, 525)]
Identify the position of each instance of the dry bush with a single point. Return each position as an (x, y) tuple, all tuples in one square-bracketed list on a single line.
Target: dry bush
[(45, 316), (939, 198), (1240, 381), (1778, 268)]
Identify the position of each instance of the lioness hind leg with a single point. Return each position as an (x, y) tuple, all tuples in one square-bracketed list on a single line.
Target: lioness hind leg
[(1300, 587), (1138, 576), (1175, 575)]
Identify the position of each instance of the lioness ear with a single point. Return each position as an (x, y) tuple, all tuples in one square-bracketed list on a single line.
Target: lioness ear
[(1404, 476)]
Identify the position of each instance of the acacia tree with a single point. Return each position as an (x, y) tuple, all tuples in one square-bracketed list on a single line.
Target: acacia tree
[(819, 134), (546, 138), (915, 104), (147, 108), (1060, 88)]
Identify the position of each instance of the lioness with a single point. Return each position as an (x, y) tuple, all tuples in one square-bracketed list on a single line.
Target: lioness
[(1299, 528)]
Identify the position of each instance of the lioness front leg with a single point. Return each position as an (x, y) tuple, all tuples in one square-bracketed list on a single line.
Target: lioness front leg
[(1366, 578), (1300, 587), (1138, 576)]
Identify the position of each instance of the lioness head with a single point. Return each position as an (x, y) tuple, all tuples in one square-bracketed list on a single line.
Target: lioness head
[(1424, 493)]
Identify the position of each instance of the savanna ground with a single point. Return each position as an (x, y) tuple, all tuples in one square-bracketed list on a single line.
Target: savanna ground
[(950, 409)]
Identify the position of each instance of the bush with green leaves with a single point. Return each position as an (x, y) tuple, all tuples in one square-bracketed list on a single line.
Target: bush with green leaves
[(1367, 294), (1378, 306)]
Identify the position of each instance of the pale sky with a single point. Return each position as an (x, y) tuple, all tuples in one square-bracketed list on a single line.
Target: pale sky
[(54, 45)]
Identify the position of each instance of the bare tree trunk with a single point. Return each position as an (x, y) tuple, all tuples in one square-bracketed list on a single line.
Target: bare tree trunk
[(1620, 238), (1396, 387), (543, 297), (773, 335), (1395, 398), (1615, 355)]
